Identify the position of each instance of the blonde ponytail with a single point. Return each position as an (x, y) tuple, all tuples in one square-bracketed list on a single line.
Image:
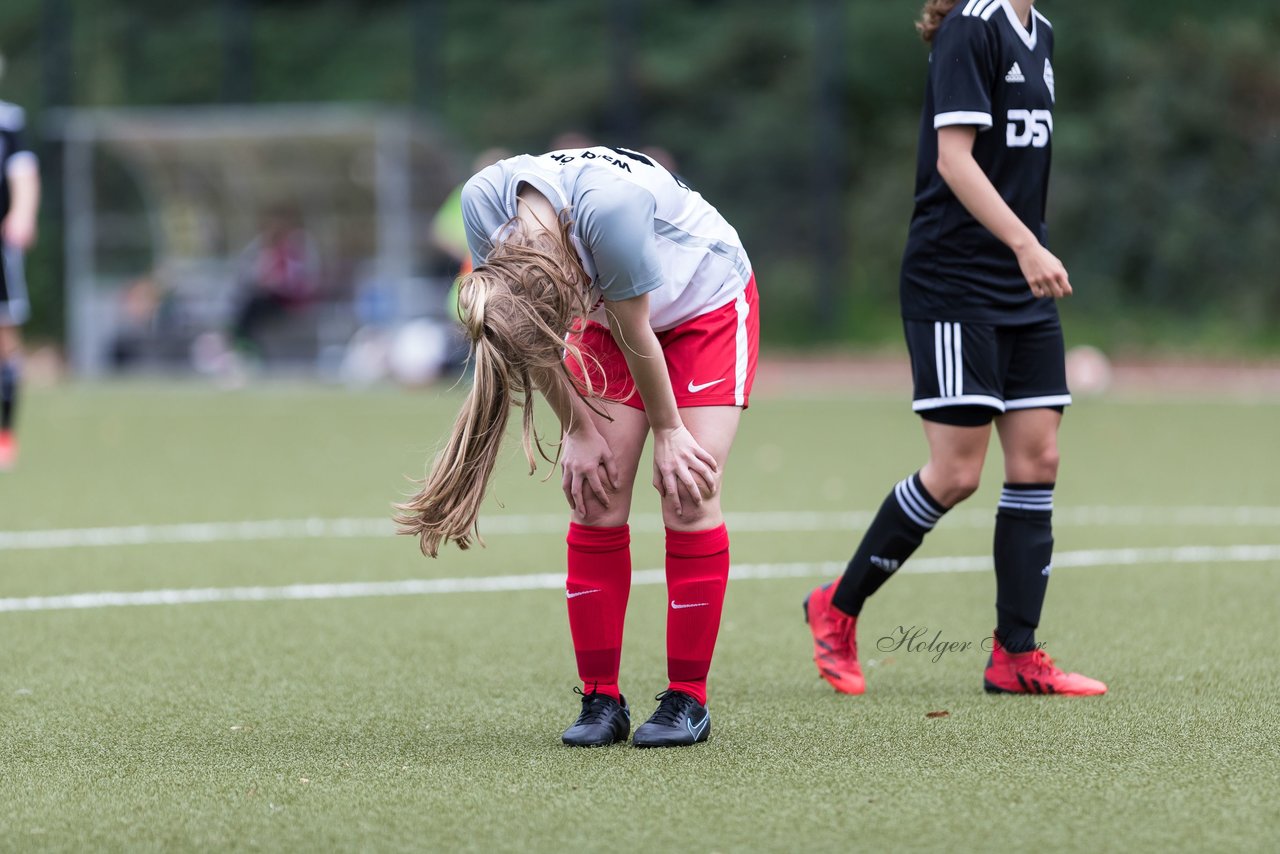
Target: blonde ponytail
[(516, 308), (931, 17)]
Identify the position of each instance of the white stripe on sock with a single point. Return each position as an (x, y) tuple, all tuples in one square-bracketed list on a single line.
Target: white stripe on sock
[(926, 506), (907, 504)]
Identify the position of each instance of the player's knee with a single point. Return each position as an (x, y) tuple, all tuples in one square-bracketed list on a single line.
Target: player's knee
[(951, 479), (963, 488), (600, 516), (692, 516), (1048, 463), (958, 483), (597, 514), (1038, 467)]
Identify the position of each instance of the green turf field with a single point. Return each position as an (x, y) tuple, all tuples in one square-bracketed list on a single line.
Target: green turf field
[(431, 720)]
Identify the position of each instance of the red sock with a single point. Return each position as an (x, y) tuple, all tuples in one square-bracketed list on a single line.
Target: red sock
[(597, 588), (697, 573)]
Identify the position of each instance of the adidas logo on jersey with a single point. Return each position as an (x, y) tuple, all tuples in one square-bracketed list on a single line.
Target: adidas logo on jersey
[(1015, 75)]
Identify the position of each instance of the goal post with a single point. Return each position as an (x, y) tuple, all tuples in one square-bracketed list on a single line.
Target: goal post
[(161, 202)]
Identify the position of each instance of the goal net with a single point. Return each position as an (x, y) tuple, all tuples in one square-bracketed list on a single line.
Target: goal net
[(164, 208)]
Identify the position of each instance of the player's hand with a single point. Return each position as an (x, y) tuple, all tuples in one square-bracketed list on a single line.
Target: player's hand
[(587, 463), (681, 464), (18, 232), (1045, 274)]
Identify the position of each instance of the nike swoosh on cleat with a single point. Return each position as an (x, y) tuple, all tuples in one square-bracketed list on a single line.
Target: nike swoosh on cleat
[(691, 605), (695, 730), (569, 595), (694, 389)]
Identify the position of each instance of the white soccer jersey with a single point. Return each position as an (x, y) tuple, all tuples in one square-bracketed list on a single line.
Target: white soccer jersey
[(637, 228)]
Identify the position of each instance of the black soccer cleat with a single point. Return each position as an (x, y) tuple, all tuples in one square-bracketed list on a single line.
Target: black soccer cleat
[(603, 721), (680, 720)]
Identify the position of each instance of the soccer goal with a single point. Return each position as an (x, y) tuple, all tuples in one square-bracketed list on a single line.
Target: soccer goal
[(168, 211)]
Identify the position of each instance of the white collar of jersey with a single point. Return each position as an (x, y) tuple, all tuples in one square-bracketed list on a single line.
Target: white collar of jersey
[(511, 209), (559, 201), (540, 183), (1028, 38)]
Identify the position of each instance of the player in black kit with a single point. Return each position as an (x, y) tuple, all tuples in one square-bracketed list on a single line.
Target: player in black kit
[(978, 293), (19, 200)]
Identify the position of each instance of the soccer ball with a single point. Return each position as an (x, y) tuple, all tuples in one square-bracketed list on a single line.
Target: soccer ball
[(418, 352), (1088, 371)]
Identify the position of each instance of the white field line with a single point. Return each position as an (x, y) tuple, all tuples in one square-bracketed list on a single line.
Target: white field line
[(557, 523), (555, 581)]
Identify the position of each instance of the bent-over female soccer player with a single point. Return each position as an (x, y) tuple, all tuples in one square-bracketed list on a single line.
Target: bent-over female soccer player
[(978, 288), (602, 281)]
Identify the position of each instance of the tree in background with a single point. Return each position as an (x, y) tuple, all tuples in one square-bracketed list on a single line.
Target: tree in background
[(1166, 190)]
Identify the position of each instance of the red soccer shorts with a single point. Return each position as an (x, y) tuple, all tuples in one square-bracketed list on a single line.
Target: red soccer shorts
[(711, 358)]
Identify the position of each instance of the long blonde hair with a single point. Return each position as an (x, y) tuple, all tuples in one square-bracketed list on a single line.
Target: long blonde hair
[(931, 17), (516, 308)]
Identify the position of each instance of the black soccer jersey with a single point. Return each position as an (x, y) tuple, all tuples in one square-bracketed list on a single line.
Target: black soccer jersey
[(12, 124), (989, 71)]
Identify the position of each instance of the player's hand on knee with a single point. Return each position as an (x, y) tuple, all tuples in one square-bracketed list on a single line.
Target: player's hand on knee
[(708, 484), (682, 494), (683, 469), (588, 468)]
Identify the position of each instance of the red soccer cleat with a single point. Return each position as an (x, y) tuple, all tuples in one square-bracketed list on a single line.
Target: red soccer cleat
[(835, 641), (8, 450), (1034, 673)]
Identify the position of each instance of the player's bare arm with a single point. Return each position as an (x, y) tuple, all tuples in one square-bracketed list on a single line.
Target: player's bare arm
[(586, 462), (1045, 274), (19, 228), (679, 462)]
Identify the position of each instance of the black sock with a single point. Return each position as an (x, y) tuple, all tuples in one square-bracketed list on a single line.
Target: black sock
[(8, 393), (907, 514), (1024, 557)]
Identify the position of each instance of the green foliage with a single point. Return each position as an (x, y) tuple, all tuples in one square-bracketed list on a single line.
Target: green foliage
[(1166, 191), (1182, 155)]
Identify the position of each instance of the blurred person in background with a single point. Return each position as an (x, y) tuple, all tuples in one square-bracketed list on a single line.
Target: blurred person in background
[(449, 236), (571, 139), (978, 291), (606, 284), (279, 272), (19, 205), (663, 156), (448, 231)]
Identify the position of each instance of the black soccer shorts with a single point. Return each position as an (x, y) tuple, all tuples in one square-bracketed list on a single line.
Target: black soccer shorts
[(968, 373)]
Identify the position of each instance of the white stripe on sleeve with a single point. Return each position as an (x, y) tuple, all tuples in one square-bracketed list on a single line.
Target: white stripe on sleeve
[(962, 117)]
